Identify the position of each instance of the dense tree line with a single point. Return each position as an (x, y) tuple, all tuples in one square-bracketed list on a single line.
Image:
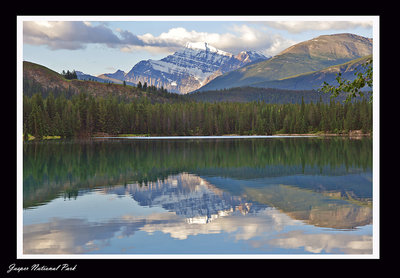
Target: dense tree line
[(83, 115), (69, 74), (268, 95), (31, 87)]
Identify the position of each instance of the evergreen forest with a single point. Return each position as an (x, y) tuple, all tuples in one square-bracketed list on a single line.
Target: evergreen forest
[(83, 115)]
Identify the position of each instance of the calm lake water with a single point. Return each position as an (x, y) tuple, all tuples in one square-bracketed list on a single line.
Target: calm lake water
[(215, 196)]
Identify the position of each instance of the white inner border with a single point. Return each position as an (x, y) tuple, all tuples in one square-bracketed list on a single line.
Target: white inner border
[(376, 132)]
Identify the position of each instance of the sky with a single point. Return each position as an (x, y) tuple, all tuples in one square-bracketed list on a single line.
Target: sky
[(97, 45)]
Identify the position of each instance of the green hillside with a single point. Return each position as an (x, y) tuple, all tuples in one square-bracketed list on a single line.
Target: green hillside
[(304, 57), (40, 79), (314, 80)]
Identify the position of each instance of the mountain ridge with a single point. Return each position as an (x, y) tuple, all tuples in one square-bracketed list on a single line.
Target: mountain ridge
[(189, 68), (40, 79), (201, 63), (312, 55), (314, 80)]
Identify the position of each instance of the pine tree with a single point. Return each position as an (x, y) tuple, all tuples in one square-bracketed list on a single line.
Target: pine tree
[(35, 122), (50, 106), (58, 125)]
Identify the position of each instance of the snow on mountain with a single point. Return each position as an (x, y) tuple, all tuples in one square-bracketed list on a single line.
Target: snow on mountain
[(188, 68), (250, 56), (203, 46)]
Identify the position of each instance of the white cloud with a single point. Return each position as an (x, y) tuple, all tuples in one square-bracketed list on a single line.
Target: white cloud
[(239, 38), (301, 26), (249, 38), (76, 35), (66, 34), (324, 242)]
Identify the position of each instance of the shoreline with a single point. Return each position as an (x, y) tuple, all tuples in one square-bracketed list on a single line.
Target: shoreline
[(234, 136), (353, 133), (204, 137), (356, 134)]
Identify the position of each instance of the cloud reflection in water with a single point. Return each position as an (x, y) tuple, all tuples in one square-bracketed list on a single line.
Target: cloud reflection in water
[(191, 207)]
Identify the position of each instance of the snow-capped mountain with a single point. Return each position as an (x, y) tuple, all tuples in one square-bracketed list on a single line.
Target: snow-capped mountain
[(188, 196), (188, 69)]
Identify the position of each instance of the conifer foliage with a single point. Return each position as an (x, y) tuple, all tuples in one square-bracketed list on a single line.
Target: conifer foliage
[(69, 75), (83, 115)]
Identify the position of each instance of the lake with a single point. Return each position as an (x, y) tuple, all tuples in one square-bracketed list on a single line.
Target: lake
[(198, 196)]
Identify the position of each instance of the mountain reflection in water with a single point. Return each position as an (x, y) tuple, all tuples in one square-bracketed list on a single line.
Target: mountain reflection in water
[(132, 197)]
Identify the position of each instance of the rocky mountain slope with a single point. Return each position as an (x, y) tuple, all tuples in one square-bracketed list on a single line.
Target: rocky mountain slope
[(312, 55), (189, 68)]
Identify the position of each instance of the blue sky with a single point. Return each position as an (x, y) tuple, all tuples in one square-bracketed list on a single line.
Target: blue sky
[(97, 45)]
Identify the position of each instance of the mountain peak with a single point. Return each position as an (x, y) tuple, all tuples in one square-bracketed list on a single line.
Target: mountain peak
[(204, 46), (119, 75), (307, 56), (335, 46), (250, 56)]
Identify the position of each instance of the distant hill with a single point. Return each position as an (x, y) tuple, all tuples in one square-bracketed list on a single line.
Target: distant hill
[(314, 80), (287, 90), (305, 57), (268, 95), (38, 78), (105, 78)]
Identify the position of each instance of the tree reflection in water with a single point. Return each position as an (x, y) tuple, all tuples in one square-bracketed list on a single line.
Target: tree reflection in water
[(205, 187)]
